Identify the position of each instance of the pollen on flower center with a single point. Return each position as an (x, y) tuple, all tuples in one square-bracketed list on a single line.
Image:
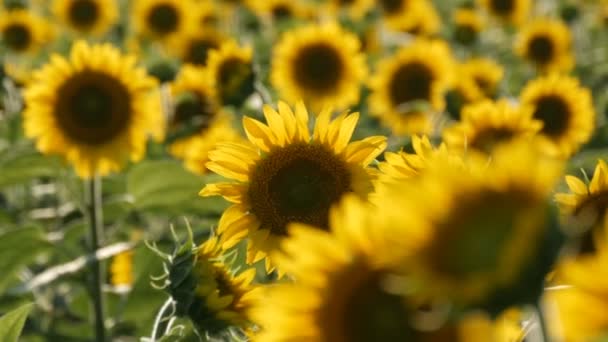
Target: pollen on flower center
[(297, 183), (83, 12), (410, 82), (163, 19), (555, 114), (92, 107), (318, 67)]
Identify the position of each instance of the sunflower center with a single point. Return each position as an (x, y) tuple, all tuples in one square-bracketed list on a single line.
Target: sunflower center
[(235, 80), (297, 183), (485, 85), (281, 11), (465, 34), (17, 37), (192, 110), (590, 211), (372, 314), (410, 82), (488, 138), (198, 51), (83, 12), (163, 19), (540, 49), (502, 7), (392, 6), (318, 67), (93, 107), (472, 237), (554, 112)]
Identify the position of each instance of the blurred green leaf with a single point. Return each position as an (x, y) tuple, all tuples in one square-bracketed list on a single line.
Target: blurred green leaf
[(21, 165), (12, 323)]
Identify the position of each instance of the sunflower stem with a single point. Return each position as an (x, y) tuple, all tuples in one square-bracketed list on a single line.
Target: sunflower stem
[(96, 232), (542, 323)]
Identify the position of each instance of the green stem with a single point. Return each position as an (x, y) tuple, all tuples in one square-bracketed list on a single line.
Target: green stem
[(542, 323), (96, 225)]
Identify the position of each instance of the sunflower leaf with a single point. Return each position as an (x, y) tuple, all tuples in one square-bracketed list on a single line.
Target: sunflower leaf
[(12, 323)]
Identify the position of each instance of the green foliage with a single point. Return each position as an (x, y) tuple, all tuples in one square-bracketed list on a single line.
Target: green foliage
[(12, 323)]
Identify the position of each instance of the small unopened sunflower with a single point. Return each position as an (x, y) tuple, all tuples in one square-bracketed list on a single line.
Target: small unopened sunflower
[(21, 31), (509, 11), (93, 17), (121, 270), (95, 108), (485, 125), (286, 175), (586, 204), (230, 72), (566, 110), (486, 228), (194, 47), (467, 25), (547, 44), (420, 72), (320, 64), (163, 19)]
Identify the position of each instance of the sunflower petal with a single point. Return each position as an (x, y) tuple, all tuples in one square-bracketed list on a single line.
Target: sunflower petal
[(258, 133), (364, 151)]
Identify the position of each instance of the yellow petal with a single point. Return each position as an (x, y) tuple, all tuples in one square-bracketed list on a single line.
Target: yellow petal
[(258, 133)]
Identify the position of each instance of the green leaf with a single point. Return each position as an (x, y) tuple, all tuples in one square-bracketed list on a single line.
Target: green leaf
[(12, 323), (21, 165)]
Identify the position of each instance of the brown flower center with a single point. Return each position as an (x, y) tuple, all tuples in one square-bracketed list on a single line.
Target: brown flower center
[(541, 49), (163, 19), (487, 139), (17, 37), (198, 51), (83, 13), (412, 81), (555, 114), (392, 6), (318, 68), (502, 7)]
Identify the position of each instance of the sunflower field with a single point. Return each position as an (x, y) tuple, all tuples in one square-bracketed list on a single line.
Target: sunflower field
[(304, 170)]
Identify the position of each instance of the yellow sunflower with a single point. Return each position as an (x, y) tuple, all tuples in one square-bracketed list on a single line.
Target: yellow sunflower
[(566, 110), (22, 32), (467, 25), (479, 79), (282, 9), (420, 72), (164, 19), (419, 19), (96, 108), (547, 44), (586, 204), (509, 11), (194, 47), (94, 17), (355, 9), (321, 64), (484, 227), (121, 270), (285, 175), (487, 124), (230, 72), (207, 13), (342, 290)]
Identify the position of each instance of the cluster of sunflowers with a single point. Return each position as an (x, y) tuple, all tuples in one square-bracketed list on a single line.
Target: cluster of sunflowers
[(392, 170)]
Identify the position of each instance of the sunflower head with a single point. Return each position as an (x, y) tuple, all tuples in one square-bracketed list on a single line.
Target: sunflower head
[(488, 239), (509, 11), (21, 31), (486, 125), (547, 44), (420, 19), (288, 175), (163, 19), (409, 86), (94, 17), (97, 115), (467, 25), (566, 110), (279, 10), (231, 74), (321, 64), (193, 48), (355, 9)]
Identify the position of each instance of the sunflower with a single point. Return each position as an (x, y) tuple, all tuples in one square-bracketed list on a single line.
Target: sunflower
[(230, 72), (566, 110), (207, 13), (194, 47), (121, 270), (355, 9), (21, 31), (509, 11), (93, 17), (467, 25), (419, 19), (282, 9), (164, 19), (286, 176), (321, 64), (484, 228), (586, 205), (487, 124), (342, 290), (547, 44), (417, 73), (97, 114)]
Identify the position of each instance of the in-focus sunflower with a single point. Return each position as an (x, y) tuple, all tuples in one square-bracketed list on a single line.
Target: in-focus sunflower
[(547, 44), (96, 114), (416, 76), (486, 228), (487, 124), (509, 11), (320, 64), (566, 110), (286, 175), (586, 205), (342, 290), (467, 25), (93, 17), (21, 31), (230, 72), (164, 19), (194, 47), (121, 270)]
